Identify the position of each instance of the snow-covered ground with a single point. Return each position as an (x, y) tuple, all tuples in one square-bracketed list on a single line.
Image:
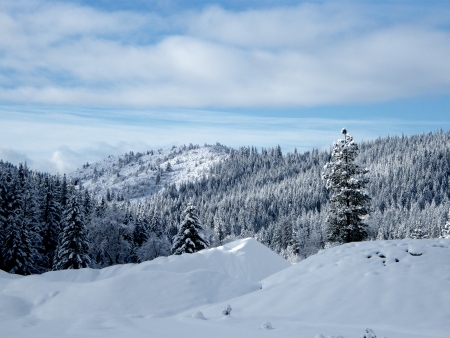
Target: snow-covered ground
[(135, 175), (398, 289)]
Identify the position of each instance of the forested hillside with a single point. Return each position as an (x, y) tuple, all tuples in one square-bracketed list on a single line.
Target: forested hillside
[(133, 176), (279, 199), (283, 201)]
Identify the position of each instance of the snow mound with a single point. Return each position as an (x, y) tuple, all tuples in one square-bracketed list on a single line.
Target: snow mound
[(245, 259), (393, 284), (198, 315), (12, 306), (163, 287)]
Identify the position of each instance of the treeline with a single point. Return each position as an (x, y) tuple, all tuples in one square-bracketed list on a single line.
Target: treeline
[(47, 223), (279, 199)]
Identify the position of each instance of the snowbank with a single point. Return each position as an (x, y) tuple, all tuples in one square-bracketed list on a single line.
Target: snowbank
[(397, 288), (400, 285)]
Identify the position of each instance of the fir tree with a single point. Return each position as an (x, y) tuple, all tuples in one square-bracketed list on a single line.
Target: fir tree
[(347, 183), (74, 247), (190, 237)]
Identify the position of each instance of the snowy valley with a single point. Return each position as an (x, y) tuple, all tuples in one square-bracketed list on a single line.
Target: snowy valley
[(398, 289)]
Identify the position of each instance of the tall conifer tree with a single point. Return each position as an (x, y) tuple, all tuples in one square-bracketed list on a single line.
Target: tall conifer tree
[(50, 222), (347, 183), (74, 247), (18, 249)]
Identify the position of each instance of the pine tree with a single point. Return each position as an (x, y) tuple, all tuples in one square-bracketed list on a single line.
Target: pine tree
[(190, 237), (347, 183), (74, 247)]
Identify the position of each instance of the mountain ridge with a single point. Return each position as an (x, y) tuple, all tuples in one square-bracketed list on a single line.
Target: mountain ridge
[(136, 176)]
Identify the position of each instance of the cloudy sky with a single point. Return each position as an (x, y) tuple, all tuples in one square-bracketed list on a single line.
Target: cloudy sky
[(80, 80)]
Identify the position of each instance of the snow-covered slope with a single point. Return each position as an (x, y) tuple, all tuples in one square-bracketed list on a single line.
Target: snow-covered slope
[(397, 288), (402, 287), (135, 175)]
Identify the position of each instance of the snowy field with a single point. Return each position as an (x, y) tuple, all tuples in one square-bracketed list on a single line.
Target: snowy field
[(398, 289)]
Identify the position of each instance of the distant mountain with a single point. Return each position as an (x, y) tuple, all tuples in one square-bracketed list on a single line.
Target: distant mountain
[(138, 175)]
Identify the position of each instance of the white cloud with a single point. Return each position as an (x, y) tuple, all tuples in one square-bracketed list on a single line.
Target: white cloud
[(61, 140), (309, 55)]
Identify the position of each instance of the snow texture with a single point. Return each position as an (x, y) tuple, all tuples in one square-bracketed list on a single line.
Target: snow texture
[(382, 285)]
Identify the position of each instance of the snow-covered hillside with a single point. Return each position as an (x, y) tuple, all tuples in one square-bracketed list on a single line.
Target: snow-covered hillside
[(397, 288), (137, 175)]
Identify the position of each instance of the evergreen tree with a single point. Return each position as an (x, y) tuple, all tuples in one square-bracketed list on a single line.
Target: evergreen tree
[(140, 236), (168, 167), (218, 228), (18, 251), (157, 243), (63, 191), (419, 231), (74, 247), (446, 230), (50, 222), (190, 237), (110, 237), (347, 183), (3, 214)]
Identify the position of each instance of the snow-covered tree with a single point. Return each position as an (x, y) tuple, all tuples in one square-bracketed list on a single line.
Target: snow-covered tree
[(218, 228), (168, 167), (18, 251), (347, 183), (190, 237), (446, 229), (109, 237), (419, 231), (74, 247), (50, 222), (156, 243)]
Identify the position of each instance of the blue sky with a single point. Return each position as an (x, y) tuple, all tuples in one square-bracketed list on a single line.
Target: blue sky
[(80, 80)]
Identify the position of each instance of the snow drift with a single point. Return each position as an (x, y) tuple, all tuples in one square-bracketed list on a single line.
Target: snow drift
[(397, 288)]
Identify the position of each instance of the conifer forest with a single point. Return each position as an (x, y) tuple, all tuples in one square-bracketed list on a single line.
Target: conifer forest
[(50, 222)]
